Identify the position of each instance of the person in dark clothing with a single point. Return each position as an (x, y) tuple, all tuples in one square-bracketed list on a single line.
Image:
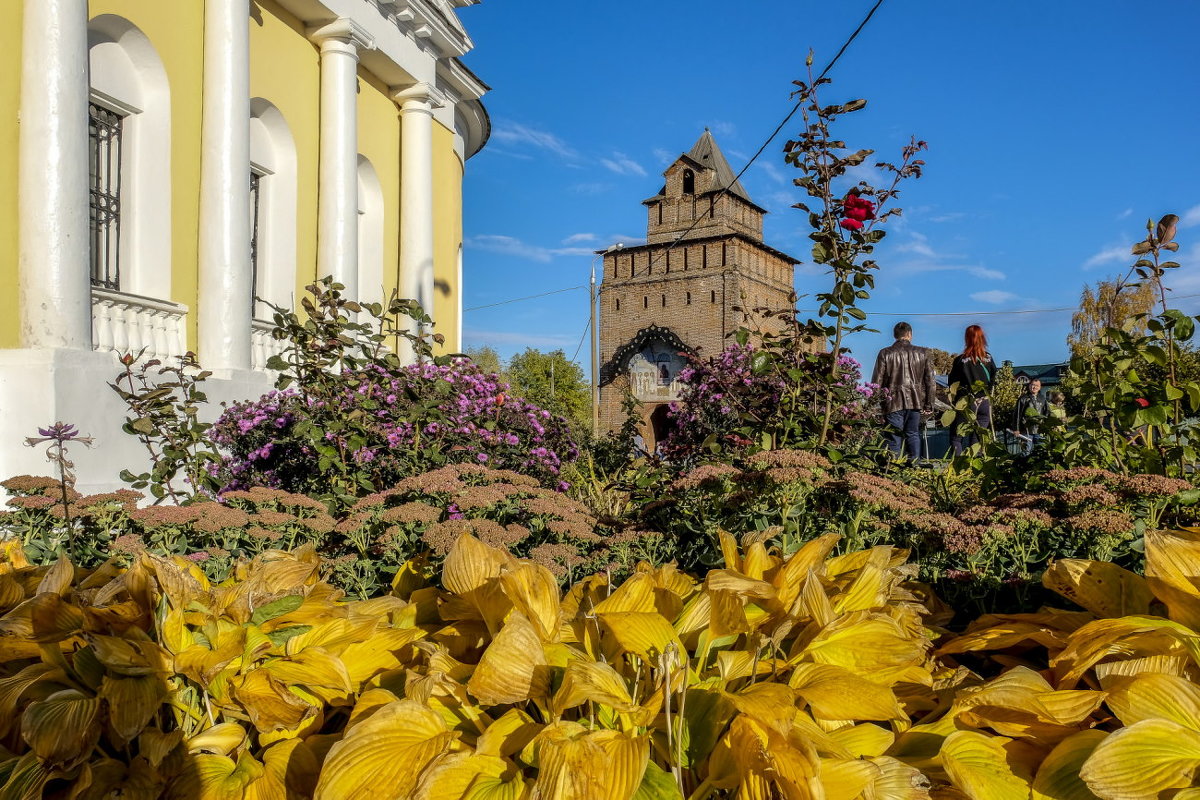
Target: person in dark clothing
[(905, 375), (1031, 407), (972, 375)]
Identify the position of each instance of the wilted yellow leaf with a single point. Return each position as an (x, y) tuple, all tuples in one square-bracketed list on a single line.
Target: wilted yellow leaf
[(847, 779), (513, 667), (211, 777), (1173, 572), (865, 644), (508, 735), (645, 634), (221, 739), (533, 590), (471, 563), (132, 702), (63, 728), (1104, 589), (595, 681), (835, 692), (575, 764), (383, 757)]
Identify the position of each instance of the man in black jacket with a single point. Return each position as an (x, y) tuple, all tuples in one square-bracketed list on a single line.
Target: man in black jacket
[(905, 375)]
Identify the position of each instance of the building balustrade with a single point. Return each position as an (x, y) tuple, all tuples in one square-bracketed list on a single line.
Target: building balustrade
[(263, 345), (129, 323)]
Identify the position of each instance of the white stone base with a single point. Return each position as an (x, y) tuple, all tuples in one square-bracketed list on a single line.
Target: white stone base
[(41, 387)]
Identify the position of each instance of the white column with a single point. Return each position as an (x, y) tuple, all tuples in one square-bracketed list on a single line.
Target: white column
[(337, 202), (416, 191), (224, 248), (55, 287)]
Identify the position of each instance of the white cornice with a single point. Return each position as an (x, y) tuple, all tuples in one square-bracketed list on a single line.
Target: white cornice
[(343, 30)]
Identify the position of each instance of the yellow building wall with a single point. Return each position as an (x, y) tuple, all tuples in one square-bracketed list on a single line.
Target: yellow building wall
[(285, 70), (176, 31), (10, 101), (379, 141), (447, 236)]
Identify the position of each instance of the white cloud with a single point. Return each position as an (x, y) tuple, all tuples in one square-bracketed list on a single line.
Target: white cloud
[(1190, 217), (575, 238), (591, 188), (1113, 253), (722, 128), (623, 165), (952, 216), (514, 133), (627, 241), (664, 157), (928, 259), (510, 246), (1125, 214), (773, 171), (994, 297)]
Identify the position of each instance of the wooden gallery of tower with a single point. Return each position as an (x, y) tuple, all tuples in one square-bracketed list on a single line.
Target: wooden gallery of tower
[(674, 296)]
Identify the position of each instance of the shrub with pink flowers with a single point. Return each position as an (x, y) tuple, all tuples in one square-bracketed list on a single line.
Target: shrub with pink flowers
[(767, 396), (386, 424)]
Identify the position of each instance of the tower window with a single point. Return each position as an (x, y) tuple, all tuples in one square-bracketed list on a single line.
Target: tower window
[(618, 304), (724, 254), (689, 182), (685, 252), (703, 256), (667, 259), (688, 301), (660, 205), (646, 301), (104, 145), (664, 301), (712, 207), (649, 263), (712, 296)]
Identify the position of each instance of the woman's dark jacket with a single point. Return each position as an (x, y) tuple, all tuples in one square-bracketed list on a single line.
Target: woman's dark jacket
[(972, 376)]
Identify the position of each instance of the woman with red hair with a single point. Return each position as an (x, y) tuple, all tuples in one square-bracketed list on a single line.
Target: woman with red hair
[(972, 375)]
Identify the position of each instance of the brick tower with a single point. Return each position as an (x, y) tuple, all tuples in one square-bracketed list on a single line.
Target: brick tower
[(665, 298)]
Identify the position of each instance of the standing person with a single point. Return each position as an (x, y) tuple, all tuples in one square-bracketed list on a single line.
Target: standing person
[(972, 375), (1031, 407), (1058, 406), (905, 374)]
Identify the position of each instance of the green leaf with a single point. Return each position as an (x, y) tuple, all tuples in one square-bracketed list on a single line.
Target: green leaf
[(143, 425), (657, 784), (276, 608)]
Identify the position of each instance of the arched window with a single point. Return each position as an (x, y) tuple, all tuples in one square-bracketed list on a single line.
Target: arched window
[(370, 235), (130, 151), (689, 182), (272, 207)]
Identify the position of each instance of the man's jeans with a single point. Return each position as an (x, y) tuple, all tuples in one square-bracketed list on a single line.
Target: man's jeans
[(904, 426)]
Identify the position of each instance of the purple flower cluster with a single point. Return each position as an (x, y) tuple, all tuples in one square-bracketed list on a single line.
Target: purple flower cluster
[(390, 424)]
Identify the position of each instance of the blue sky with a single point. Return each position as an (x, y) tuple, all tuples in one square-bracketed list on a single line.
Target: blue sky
[(1055, 130)]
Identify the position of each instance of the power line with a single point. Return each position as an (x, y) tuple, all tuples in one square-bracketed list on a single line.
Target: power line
[(977, 313), (799, 103), (581, 338), (527, 297)]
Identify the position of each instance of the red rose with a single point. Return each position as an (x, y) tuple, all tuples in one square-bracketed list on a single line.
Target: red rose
[(851, 224), (859, 214), (1143, 402)]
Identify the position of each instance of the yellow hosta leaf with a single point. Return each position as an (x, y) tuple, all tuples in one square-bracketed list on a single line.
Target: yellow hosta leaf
[(727, 614), (471, 563), (508, 735), (26, 779), (471, 776), (128, 656), (980, 766), (771, 704), (334, 635), (154, 745), (844, 779), (1102, 588), (766, 764), (58, 578), (726, 580), (221, 739), (645, 634), (1006, 634), (1138, 762), (835, 692), (1151, 696), (898, 781), (317, 670), (63, 728), (513, 667), (368, 703), (1058, 776), (866, 739), (290, 770), (757, 562), (1173, 572), (869, 590), (595, 681), (383, 757), (729, 550), (268, 702), (387, 649), (1108, 671), (792, 574), (575, 764), (216, 778), (1105, 637), (635, 594), (533, 590), (865, 644), (132, 703)]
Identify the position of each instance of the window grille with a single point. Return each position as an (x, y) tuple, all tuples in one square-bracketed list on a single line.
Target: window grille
[(105, 130), (255, 197)]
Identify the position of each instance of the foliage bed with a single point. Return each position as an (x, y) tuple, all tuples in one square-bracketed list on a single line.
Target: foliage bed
[(810, 676)]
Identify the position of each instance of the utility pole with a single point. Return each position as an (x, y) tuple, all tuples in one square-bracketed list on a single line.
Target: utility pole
[(594, 359)]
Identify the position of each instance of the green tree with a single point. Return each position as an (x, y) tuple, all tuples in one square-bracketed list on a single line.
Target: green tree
[(486, 358), (1110, 304), (553, 382), (940, 360), (1005, 392)]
